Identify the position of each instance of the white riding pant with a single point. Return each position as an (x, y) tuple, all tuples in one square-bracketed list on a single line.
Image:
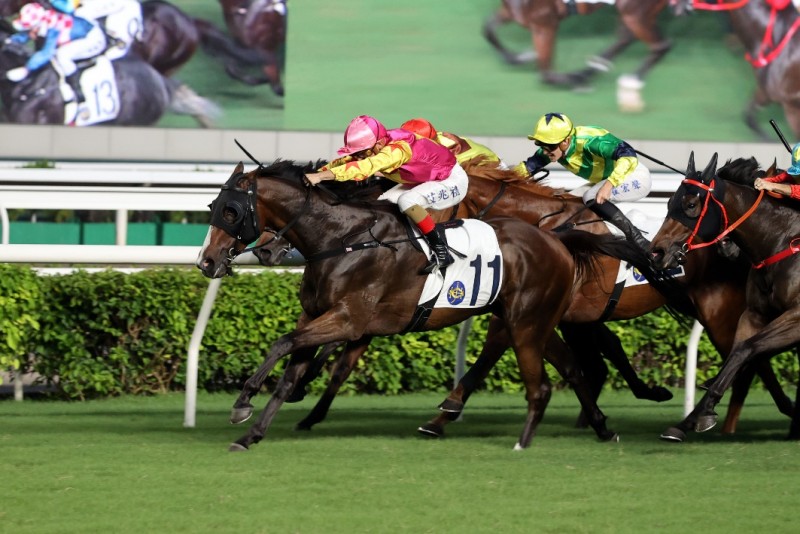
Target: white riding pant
[(637, 185), (90, 46), (434, 195)]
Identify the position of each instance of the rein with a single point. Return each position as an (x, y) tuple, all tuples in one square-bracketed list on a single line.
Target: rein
[(792, 249)]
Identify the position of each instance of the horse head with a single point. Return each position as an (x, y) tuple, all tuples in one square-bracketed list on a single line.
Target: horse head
[(687, 215), (234, 224)]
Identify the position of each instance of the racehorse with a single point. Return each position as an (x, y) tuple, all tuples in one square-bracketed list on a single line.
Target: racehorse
[(767, 35), (143, 96), (713, 284), (707, 207), (542, 17), (353, 290), (260, 26)]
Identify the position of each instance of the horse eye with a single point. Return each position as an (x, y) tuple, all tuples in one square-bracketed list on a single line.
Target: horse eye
[(230, 215)]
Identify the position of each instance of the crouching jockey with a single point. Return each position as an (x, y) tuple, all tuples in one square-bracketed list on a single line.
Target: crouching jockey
[(67, 38), (427, 175)]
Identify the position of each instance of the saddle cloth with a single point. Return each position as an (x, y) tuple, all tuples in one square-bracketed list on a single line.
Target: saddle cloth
[(99, 86), (470, 282)]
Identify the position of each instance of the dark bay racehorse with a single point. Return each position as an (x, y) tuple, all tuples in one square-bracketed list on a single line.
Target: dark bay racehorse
[(639, 21), (374, 290), (708, 206), (144, 94)]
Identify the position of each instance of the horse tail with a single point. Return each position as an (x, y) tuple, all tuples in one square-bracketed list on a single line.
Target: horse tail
[(184, 101), (586, 246)]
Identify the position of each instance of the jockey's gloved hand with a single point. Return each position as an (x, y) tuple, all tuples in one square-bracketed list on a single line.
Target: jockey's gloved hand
[(19, 38), (18, 74)]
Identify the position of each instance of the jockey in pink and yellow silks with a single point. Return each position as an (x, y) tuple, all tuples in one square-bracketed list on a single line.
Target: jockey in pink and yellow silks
[(427, 175)]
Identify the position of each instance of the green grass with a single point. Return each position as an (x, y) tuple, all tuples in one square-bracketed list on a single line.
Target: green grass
[(421, 58), (127, 465)]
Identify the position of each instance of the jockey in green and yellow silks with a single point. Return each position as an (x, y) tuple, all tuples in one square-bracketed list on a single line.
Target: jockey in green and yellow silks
[(609, 164)]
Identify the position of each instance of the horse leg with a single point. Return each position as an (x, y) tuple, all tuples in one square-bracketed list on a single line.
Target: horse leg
[(344, 366), (582, 343), (739, 389), (497, 341), (314, 370), (645, 29), (604, 61), (560, 356), (282, 390), (502, 17), (753, 339), (757, 102), (741, 386)]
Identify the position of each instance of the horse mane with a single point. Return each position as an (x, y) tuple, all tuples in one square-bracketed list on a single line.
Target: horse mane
[(742, 171), (482, 167)]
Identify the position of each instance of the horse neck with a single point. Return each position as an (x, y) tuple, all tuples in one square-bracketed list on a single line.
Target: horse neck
[(767, 229), (320, 225)]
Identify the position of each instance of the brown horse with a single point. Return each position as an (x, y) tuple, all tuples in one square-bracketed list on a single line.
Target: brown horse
[(354, 290), (639, 20), (259, 26), (707, 207)]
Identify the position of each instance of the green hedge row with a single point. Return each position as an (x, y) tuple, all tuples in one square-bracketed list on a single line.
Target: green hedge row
[(110, 333)]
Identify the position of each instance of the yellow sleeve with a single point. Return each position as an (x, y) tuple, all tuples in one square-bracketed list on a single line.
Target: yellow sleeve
[(622, 168), (388, 160)]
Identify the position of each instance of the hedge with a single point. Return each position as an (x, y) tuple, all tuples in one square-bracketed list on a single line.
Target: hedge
[(110, 333)]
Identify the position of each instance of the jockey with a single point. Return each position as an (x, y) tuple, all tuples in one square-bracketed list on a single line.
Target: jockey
[(462, 148), (427, 174), (608, 163), (777, 183), (67, 38)]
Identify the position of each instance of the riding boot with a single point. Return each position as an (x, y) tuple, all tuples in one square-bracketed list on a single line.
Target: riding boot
[(74, 82), (441, 257), (611, 213)]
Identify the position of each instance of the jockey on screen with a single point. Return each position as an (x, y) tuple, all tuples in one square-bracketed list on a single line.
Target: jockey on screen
[(67, 38)]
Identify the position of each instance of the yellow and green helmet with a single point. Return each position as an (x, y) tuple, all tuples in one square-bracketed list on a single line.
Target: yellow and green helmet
[(552, 128)]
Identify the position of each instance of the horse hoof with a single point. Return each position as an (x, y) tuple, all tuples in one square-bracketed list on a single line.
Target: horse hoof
[(431, 430), (240, 415), (613, 437), (659, 394), (705, 422), (303, 426), (673, 434), (237, 447), (451, 406), (518, 447)]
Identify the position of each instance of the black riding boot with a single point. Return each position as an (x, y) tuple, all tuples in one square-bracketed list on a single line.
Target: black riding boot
[(611, 213), (441, 256), (74, 81)]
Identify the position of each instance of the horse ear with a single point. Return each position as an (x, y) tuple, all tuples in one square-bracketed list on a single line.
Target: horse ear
[(711, 169), (690, 170), (239, 168), (773, 169)]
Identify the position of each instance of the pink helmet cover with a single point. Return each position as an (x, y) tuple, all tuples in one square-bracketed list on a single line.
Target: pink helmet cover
[(362, 133)]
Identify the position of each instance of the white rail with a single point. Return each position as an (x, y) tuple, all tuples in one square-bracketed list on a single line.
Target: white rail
[(155, 187)]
